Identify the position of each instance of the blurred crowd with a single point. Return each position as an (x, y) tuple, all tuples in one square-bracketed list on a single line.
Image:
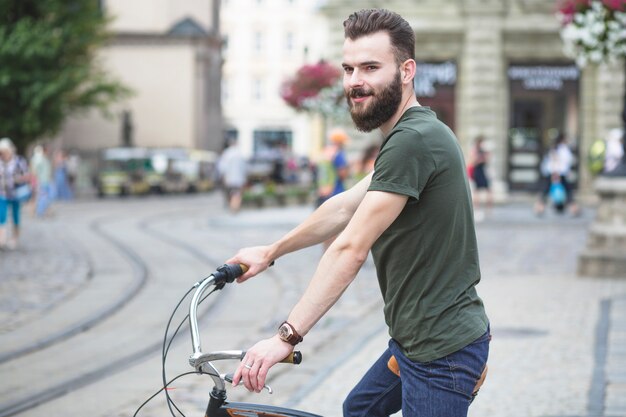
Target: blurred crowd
[(278, 173), (34, 182)]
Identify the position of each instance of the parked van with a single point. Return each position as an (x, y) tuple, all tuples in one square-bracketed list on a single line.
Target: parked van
[(125, 171)]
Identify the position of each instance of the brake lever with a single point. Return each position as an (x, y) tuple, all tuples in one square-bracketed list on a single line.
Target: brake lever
[(229, 378)]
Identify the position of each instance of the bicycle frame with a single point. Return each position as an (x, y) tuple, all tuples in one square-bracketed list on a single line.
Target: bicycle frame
[(218, 406)]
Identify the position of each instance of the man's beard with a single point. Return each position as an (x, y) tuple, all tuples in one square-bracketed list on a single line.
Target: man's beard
[(383, 106)]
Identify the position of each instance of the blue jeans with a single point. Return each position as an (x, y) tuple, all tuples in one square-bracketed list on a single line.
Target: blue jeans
[(4, 211), (45, 195), (441, 388)]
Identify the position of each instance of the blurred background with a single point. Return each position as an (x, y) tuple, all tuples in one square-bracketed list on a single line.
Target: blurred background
[(194, 74)]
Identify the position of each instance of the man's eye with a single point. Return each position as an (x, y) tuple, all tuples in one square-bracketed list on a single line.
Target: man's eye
[(371, 68), (348, 70)]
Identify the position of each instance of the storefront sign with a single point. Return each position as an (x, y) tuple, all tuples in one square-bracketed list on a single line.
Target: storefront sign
[(543, 77), (429, 75)]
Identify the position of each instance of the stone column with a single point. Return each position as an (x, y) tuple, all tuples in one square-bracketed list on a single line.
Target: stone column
[(483, 88), (605, 254)]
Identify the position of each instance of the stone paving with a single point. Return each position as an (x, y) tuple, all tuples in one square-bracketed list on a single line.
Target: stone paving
[(559, 346), (43, 271)]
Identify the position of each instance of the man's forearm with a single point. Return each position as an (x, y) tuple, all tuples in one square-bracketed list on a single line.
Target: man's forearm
[(327, 221), (337, 269)]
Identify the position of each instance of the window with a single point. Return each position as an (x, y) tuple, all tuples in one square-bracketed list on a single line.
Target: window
[(268, 142), (257, 89), (289, 41), (230, 135), (258, 42)]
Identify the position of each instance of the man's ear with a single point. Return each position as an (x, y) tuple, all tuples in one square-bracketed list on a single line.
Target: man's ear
[(407, 71)]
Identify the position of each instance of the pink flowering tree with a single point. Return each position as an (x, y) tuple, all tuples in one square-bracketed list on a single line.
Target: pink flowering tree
[(594, 32), (316, 88)]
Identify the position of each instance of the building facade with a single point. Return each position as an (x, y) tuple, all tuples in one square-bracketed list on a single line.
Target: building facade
[(265, 43), (169, 53), (207, 70), (496, 68)]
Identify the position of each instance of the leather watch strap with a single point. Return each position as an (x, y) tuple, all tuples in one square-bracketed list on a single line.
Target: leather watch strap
[(289, 334)]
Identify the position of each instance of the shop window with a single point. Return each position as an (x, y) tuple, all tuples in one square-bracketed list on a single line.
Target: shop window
[(544, 105), (267, 142)]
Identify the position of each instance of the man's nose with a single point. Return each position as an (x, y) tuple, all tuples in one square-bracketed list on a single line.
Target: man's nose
[(354, 79)]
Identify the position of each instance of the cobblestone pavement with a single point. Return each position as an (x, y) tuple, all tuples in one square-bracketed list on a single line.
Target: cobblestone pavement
[(559, 346), (44, 270)]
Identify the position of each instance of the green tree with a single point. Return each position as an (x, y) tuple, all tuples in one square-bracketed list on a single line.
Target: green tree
[(48, 65)]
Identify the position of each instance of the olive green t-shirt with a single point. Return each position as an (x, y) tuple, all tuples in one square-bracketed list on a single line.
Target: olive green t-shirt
[(427, 260)]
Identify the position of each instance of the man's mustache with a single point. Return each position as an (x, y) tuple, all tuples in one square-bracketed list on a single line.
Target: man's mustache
[(359, 92)]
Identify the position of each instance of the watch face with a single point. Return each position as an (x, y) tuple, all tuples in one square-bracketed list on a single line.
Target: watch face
[(284, 332)]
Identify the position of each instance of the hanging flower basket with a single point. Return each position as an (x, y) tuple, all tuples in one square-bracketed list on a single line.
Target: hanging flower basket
[(593, 31)]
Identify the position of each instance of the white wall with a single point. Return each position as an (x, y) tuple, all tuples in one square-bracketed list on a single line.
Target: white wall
[(244, 67), (162, 105), (155, 15)]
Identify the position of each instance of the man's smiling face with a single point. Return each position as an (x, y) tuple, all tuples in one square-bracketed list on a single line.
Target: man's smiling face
[(371, 80)]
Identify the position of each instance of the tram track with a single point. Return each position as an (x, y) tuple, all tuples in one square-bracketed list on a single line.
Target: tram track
[(155, 231), (140, 277)]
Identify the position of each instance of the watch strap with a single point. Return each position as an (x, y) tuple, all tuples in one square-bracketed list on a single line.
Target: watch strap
[(294, 338)]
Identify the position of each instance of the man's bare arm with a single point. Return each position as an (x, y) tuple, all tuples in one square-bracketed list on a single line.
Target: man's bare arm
[(325, 222), (337, 269), (343, 259)]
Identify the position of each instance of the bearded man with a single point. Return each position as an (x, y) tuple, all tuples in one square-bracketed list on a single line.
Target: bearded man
[(415, 214)]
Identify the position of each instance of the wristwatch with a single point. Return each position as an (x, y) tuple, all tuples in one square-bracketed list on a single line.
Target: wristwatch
[(288, 334)]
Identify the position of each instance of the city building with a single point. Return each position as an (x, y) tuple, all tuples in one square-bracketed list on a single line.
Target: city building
[(265, 43), (488, 67), (168, 52), (497, 68)]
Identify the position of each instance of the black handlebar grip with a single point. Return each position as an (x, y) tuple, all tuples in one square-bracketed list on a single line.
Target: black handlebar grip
[(294, 358), (227, 273)]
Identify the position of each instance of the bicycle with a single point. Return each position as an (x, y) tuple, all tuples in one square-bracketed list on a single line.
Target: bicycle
[(218, 406)]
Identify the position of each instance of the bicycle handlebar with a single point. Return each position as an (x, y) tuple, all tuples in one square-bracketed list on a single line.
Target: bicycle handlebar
[(225, 274)]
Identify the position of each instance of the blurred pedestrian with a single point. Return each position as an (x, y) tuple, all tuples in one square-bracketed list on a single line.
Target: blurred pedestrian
[(233, 169), (366, 164), (61, 177), (332, 169), (41, 169), (555, 170), (14, 189), (478, 160), (614, 149)]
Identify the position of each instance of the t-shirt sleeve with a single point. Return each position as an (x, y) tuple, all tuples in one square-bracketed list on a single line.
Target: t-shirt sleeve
[(403, 166)]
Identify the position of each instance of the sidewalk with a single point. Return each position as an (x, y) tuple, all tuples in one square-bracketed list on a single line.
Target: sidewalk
[(559, 346)]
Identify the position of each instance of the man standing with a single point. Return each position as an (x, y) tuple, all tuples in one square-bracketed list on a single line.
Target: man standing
[(415, 213), (232, 169)]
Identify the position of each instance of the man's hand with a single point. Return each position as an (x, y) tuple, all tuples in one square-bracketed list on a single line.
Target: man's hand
[(258, 360), (257, 258)]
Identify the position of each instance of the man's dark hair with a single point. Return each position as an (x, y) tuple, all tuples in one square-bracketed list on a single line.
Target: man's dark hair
[(369, 21)]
